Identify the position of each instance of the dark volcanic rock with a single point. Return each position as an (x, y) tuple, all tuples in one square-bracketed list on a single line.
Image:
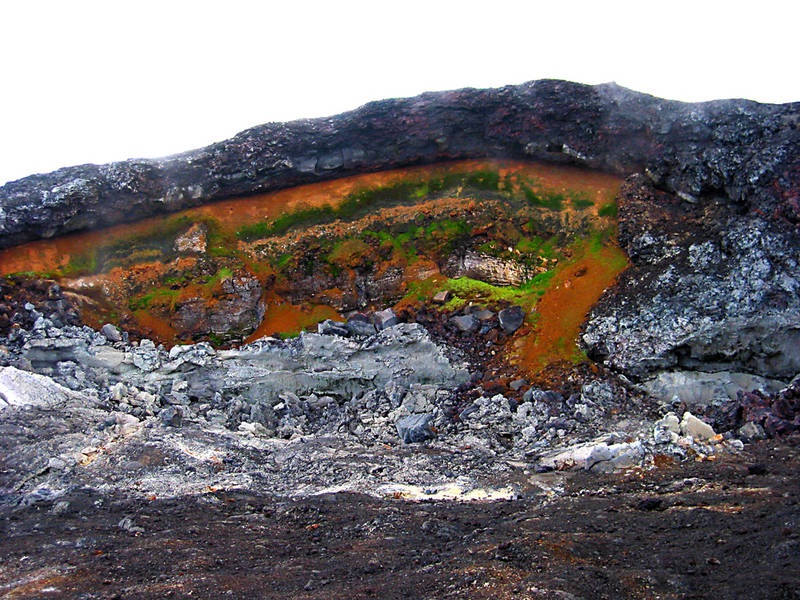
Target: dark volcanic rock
[(511, 318), (414, 428), (361, 325), (743, 150), (709, 289)]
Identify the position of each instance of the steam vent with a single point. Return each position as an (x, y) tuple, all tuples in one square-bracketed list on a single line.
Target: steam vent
[(540, 341)]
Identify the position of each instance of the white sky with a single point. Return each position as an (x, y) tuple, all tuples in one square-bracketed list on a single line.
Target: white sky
[(85, 81)]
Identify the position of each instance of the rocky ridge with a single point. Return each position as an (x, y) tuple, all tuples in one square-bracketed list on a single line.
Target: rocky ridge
[(741, 150)]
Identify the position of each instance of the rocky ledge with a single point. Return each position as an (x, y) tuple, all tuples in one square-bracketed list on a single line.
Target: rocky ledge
[(746, 152)]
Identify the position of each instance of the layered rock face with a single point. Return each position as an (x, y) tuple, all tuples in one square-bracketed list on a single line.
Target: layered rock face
[(742, 150)]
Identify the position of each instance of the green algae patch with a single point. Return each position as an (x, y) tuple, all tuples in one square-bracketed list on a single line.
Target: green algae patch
[(159, 296), (609, 210), (466, 289), (364, 200)]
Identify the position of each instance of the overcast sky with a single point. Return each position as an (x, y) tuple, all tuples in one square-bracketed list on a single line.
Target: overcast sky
[(102, 81)]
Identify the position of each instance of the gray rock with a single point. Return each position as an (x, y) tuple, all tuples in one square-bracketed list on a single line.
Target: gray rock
[(360, 325), (466, 323), (518, 384), (699, 389), (721, 297), (483, 315), (171, 416), (491, 269), (695, 428), (442, 297), (331, 327), (111, 332), (511, 319), (750, 432), (383, 319), (414, 428), (597, 392)]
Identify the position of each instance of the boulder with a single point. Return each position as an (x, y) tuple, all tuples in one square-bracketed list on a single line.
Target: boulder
[(750, 432), (331, 327), (171, 416), (383, 319), (483, 315), (414, 428), (511, 319), (442, 297), (360, 324), (111, 332)]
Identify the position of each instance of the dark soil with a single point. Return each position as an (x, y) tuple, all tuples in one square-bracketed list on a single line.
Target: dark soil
[(723, 529)]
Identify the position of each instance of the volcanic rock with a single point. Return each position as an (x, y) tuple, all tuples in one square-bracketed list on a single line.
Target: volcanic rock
[(414, 428), (384, 318), (466, 323), (360, 325), (511, 319), (694, 427)]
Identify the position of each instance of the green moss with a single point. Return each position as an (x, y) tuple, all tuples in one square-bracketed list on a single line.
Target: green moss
[(405, 191), (33, 274), (288, 335), (346, 251), (524, 295), (81, 264), (543, 198), (180, 280), (221, 251), (530, 245), (215, 339), (580, 200), (152, 245), (609, 210), (144, 302), (283, 260)]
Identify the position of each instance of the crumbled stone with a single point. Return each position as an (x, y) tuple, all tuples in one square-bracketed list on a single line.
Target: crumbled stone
[(695, 428)]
